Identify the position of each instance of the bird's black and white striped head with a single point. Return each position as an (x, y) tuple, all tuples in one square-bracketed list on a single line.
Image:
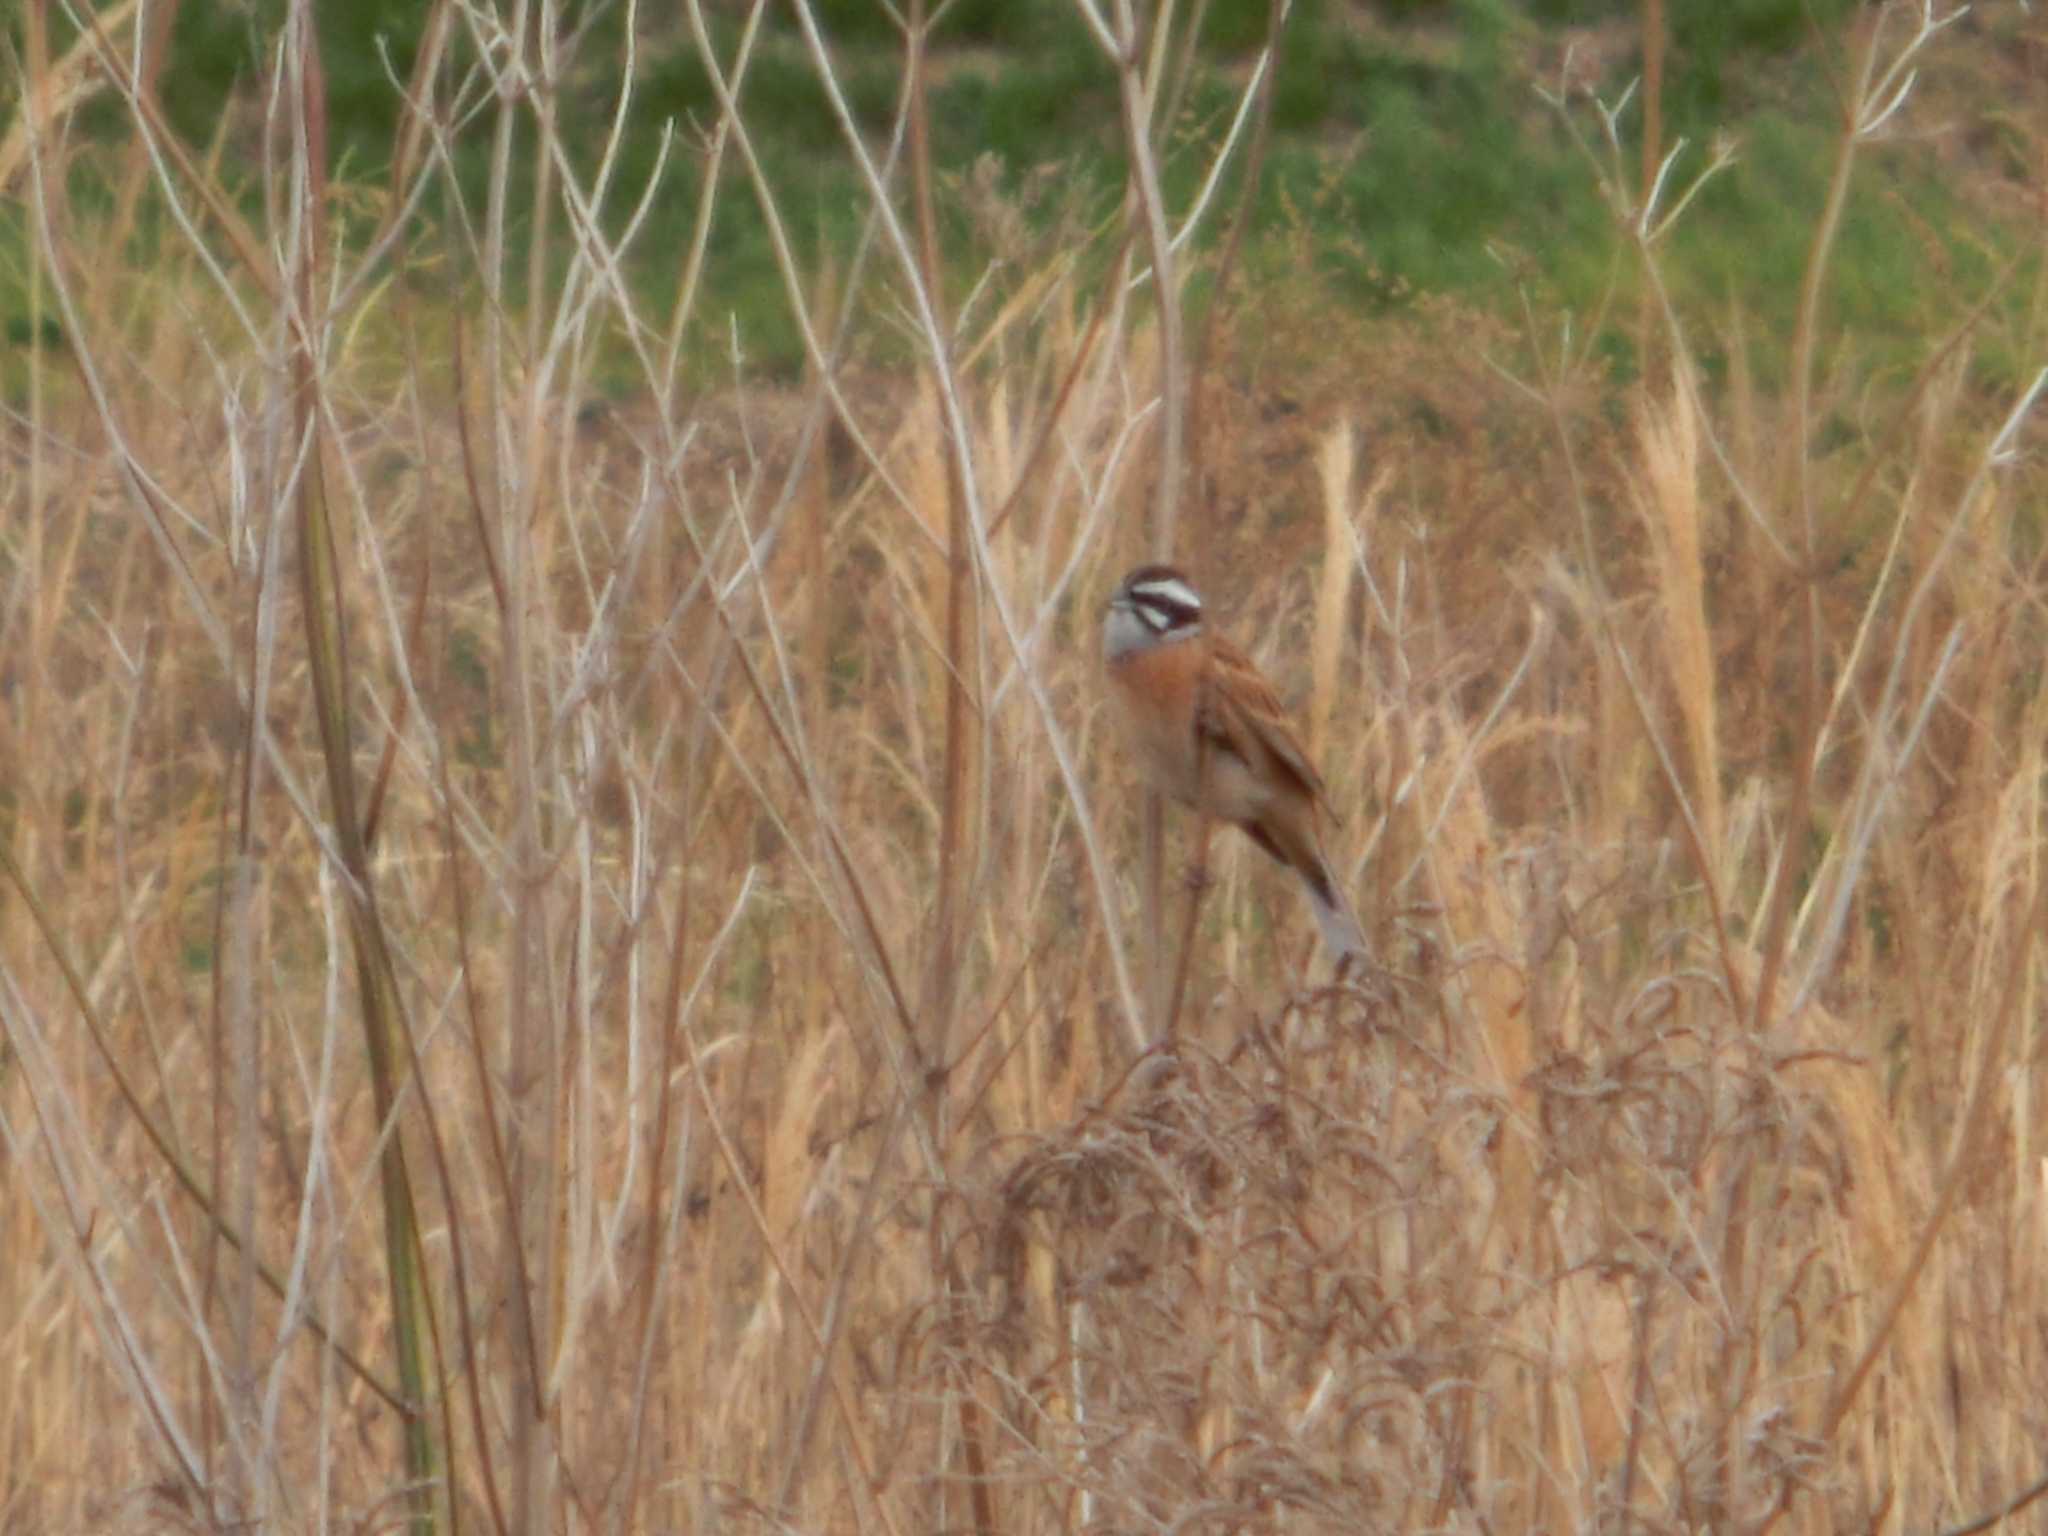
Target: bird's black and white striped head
[(1154, 605)]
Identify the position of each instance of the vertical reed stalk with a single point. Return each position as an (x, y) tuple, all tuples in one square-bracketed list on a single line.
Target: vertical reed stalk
[(327, 654), (1123, 43), (942, 981), (504, 518), (1798, 450), (960, 661)]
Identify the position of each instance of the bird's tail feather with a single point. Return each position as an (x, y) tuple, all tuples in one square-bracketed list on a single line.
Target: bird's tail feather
[(1341, 933)]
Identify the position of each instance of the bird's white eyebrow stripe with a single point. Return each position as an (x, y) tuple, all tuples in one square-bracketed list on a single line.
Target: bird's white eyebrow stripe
[(1170, 591)]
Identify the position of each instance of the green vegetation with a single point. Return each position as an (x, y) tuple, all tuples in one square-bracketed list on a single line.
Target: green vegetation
[(1409, 136)]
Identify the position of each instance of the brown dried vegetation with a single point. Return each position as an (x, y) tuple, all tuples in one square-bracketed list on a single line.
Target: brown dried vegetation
[(1678, 1169)]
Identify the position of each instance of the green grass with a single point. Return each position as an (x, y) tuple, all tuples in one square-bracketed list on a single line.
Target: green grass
[(1408, 135)]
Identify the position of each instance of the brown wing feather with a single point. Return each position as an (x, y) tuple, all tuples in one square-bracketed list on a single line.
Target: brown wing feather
[(1239, 713)]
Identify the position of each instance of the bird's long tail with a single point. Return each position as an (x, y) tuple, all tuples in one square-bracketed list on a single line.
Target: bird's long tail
[(1341, 933)]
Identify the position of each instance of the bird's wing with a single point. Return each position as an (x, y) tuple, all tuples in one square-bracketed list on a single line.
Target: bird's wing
[(1239, 713)]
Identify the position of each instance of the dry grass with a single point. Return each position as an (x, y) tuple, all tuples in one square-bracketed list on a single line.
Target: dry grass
[(1681, 1168)]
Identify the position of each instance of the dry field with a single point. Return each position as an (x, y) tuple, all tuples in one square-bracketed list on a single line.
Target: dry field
[(593, 968)]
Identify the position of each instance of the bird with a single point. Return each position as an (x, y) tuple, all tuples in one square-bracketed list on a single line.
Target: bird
[(1209, 731)]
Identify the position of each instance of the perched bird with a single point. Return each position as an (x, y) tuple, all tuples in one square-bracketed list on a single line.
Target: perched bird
[(1210, 732)]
